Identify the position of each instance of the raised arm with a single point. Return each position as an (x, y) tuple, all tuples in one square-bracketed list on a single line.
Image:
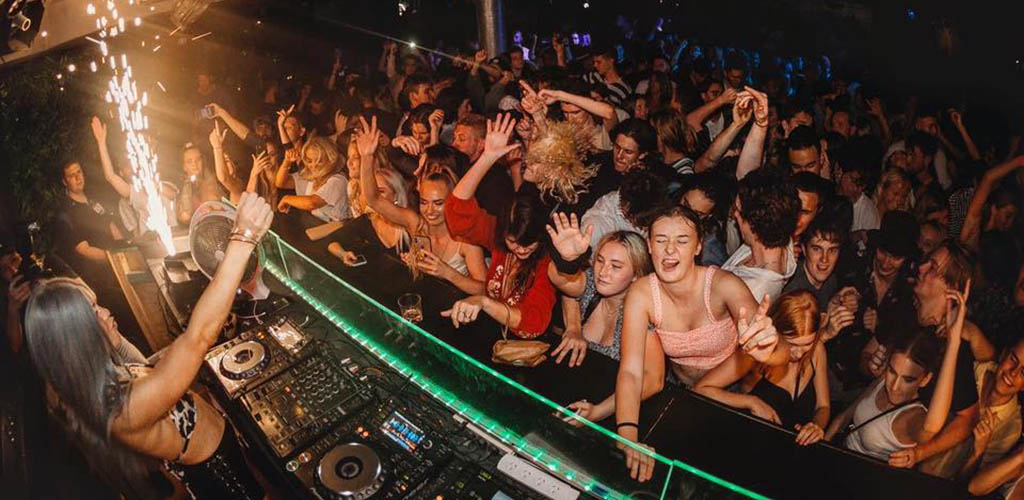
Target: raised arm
[(938, 407), (534, 106), (972, 222), (495, 146), (282, 115), (152, 396), (480, 62), (99, 132), (559, 46), (367, 140), (571, 242), (752, 154), (740, 116), (875, 110), (232, 184), (283, 179), (697, 117), (234, 124), (335, 68), (958, 122), (603, 110), (260, 163)]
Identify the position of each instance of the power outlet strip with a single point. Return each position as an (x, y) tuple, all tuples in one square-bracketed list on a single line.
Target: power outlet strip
[(536, 479)]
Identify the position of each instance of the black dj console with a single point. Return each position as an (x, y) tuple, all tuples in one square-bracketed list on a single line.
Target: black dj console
[(336, 423)]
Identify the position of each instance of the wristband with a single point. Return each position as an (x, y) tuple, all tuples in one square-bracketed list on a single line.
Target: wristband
[(243, 239), (627, 424), (568, 266), (245, 235)]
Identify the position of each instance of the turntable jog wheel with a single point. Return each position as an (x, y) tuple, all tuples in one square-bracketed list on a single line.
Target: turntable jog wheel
[(244, 360), (351, 471)]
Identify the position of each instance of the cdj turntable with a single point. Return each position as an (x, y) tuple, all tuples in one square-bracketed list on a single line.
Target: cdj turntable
[(383, 454), (256, 355), (307, 400), (379, 454)]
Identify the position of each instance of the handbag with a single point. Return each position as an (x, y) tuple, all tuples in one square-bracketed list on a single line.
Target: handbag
[(517, 352)]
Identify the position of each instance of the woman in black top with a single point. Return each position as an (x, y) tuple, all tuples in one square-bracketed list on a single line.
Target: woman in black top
[(791, 388)]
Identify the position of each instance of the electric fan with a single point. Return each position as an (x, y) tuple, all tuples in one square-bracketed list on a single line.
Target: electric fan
[(208, 236)]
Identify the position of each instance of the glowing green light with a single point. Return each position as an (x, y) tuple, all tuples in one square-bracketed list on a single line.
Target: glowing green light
[(512, 439)]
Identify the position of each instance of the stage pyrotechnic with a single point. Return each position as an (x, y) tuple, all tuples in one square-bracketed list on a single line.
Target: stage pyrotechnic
[(123, 92)]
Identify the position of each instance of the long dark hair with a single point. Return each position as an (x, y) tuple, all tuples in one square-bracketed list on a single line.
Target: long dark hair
[(71, 352), (524, 222)]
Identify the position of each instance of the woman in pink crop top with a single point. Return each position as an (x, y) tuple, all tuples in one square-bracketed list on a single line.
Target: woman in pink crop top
[(694, 312)]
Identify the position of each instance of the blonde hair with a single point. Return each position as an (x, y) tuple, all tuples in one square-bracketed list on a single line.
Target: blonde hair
[(325, 161), (636, 249), (355, 191), (560, 148), (891, 176)]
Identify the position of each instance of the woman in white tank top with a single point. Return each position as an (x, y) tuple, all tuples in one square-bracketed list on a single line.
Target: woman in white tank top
[(887, 421), (460, 263)]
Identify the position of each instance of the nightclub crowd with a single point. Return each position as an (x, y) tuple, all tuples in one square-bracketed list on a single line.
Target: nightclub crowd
[(836, 260)]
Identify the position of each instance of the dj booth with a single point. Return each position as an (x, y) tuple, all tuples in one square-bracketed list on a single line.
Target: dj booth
[(337, 397)]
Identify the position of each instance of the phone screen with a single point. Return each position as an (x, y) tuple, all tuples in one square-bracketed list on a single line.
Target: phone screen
[(420, 243)]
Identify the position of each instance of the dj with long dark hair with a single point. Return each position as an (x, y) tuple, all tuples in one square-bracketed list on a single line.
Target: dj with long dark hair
[(126, 416)]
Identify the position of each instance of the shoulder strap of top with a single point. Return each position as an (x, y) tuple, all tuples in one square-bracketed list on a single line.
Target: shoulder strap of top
[(656, 298), (709, 273)]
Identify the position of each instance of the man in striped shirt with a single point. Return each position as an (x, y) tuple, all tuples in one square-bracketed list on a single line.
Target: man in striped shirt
[(605, 73)]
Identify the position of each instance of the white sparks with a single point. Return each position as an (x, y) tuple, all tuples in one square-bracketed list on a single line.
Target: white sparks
[(90, 9), (43, 33), (204, 35), (158, 84), (157, 48), (71, 68), (123, 93)]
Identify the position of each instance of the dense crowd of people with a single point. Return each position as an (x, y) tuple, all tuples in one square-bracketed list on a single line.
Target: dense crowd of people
[(835, 261)]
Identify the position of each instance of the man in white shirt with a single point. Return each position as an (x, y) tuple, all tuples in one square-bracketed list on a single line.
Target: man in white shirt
[(766, 211), (852, 182)]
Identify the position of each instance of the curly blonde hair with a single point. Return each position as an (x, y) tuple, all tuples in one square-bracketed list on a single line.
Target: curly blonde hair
[(560, 148)]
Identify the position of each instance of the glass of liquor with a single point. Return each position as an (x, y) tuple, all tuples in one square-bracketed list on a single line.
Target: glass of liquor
[(410, 306)]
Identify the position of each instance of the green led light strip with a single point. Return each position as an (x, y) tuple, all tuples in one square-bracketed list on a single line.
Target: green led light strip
[(477, 417)]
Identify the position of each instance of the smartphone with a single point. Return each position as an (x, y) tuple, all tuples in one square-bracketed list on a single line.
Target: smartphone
[(420, 243), (360, 261), (569, 418), (206, 112)]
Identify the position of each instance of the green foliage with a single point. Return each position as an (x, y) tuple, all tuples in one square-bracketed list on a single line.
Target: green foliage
[(43, 125)]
